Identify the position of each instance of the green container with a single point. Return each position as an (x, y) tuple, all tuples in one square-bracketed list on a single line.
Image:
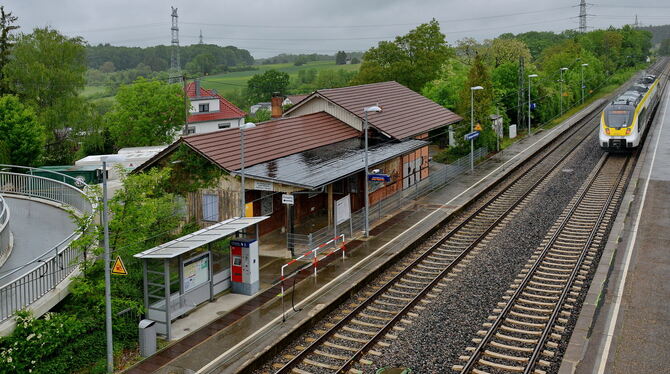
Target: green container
[(390, 370), (86, 174)]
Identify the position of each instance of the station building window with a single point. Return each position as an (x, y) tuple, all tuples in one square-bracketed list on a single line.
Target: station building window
[(210, 207)]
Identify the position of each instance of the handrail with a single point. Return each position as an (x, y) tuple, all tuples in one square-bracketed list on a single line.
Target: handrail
[(4, 227), (57, 262)]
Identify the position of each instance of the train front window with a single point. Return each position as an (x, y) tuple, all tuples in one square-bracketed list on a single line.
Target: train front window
[(618, 118)]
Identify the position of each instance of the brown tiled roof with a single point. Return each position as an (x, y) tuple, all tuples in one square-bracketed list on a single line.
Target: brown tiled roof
[(296, 98), (270, 140), (405, 113)]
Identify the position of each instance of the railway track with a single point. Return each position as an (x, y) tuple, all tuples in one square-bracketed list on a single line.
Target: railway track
[(343, 346), (526, 328)]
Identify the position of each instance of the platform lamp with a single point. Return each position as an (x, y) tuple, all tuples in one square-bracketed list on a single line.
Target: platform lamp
[(243, 190), (529, 105), (562, 70), (107, 261), (370, 109), (583, 66), (472, 124)]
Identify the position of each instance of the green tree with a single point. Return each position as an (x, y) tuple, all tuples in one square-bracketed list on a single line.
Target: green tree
[(22, 138), (146, 113), (47, 71), (340, 58), (412, 60), (203, 64), (6, 27), (503, 50), (664, 50), (483, 103), (261, 86)]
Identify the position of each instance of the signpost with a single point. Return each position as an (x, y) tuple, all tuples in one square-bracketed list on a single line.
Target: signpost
[(343, 213), (287, 199), (471, 135), (119, 268)]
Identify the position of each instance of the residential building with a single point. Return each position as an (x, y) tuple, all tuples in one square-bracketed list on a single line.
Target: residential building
[(209, 111)]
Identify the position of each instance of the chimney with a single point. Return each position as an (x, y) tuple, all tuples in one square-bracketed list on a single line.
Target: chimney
[(277, 109), (197, 88)]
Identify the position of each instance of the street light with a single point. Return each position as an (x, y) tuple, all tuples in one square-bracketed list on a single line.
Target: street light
[(529, 78), (472, 124), (106, 259), (242, 189), (562, 70), (583, 65), (370, 109)]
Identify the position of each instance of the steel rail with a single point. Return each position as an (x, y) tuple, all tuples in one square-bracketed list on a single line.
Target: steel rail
[(486, 339), (319, 341)]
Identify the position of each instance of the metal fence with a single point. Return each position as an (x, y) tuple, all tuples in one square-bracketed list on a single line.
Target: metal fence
[(394, 203), (4, 229), (54, 264)]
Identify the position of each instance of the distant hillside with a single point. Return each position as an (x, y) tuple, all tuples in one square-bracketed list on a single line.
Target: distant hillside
[(158, 58), (660, 33)]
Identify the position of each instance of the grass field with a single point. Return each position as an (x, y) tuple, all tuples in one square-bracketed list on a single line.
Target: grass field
[(229, 82)]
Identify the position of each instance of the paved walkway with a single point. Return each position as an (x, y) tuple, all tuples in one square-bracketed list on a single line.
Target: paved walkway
[(36, 227), (228, 341), (631, 331)]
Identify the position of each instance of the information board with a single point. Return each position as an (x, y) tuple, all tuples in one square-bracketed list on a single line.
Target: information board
[(342, 209), (195, 271)]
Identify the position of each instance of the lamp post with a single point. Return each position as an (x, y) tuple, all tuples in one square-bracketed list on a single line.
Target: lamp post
[(583, 66), (242, 189), (529, 79), (472, 124), (562, 70), (370, 109), (107, 262)]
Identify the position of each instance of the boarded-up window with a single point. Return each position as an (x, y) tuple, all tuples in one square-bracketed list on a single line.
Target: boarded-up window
[(210, 207)]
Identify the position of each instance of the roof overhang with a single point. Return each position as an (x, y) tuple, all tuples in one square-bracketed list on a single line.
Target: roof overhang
[(200, 238)]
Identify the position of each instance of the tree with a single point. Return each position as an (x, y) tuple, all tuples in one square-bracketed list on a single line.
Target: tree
[(6, 21), (355, 61), (502, 51), (22, 138), (412, 60), (340, 58), (203, 64), (47, 71), (107, 67), (664, 50), (261, 86), (146, 113), (483, 102)]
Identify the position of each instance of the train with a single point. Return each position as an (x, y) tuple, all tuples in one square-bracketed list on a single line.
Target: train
[(624, 120)]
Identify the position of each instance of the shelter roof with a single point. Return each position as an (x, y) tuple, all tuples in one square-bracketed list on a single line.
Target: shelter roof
[(324, 165), (199, 238)]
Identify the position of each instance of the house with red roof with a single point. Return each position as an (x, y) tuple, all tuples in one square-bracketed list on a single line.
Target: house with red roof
[(209, 111)]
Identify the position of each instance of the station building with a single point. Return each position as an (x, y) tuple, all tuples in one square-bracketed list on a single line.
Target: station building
[(315, 151)]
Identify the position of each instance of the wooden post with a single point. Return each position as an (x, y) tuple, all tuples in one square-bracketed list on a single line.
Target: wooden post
[(330, 204)]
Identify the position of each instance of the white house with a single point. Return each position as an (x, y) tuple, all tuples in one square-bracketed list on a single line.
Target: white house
[(210, 112)]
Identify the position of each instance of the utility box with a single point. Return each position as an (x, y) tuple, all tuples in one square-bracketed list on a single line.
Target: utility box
[(147, 337), (244, 277)]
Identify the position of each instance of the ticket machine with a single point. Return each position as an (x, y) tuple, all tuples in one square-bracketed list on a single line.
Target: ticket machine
[(244, 266)]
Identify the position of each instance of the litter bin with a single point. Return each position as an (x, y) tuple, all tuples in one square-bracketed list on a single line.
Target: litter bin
[(147, 337)]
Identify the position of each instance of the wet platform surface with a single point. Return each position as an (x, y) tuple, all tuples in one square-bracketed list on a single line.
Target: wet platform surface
[(226, 343), (36, 227), (630, 333)]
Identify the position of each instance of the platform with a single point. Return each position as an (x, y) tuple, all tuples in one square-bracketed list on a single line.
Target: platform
[(229, 341), (624, 326)]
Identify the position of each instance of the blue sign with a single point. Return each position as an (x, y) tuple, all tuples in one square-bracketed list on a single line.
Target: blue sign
[(472, 135), (379, 177)]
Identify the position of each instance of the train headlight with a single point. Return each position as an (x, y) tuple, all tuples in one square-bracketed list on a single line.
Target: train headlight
[(607, 130), (628, 131)]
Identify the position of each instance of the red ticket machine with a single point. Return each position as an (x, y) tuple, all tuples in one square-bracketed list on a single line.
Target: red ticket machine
[(244, 266)]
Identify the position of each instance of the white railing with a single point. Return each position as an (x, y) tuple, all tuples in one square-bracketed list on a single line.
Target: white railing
[(47, 270), (4, 229)]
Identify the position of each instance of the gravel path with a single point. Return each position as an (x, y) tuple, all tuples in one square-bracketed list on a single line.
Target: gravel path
[(441, 333)]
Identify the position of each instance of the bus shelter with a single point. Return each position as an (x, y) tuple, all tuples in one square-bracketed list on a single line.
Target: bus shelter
[(185, 272)]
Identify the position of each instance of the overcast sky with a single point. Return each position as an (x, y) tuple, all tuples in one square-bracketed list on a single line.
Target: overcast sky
[(269, 27)]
